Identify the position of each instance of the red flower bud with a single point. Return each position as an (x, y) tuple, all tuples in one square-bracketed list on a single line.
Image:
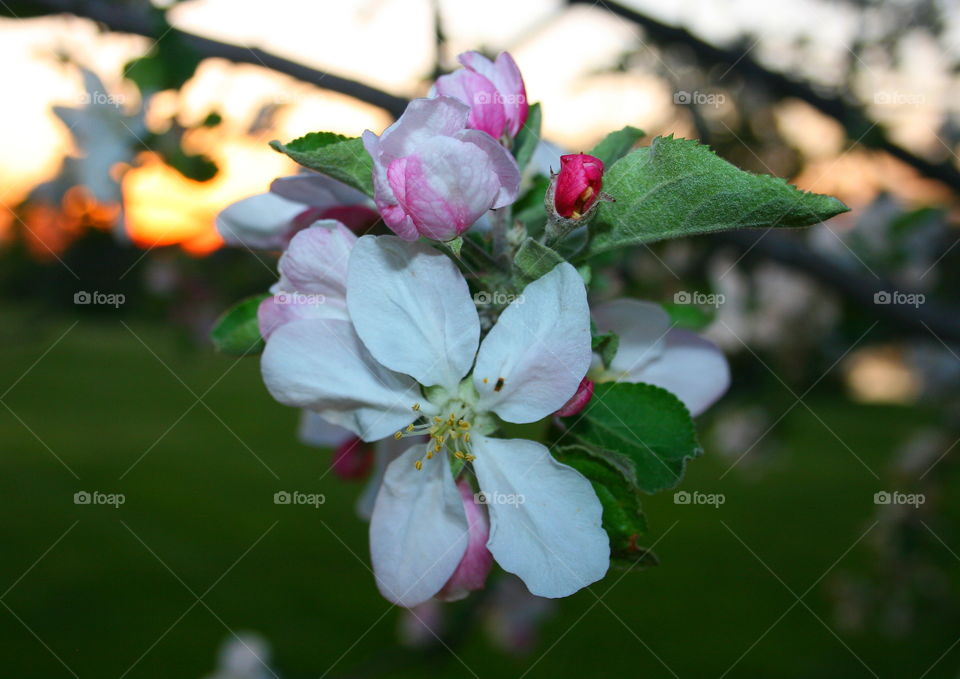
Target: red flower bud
[(578, 184), (352, 459), (579, 400)]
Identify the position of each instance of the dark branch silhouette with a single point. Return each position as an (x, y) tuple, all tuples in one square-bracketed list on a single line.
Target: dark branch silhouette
[(128, 19), (852, 117)]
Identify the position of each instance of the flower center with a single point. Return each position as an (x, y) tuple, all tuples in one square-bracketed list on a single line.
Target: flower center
[(450, 433)]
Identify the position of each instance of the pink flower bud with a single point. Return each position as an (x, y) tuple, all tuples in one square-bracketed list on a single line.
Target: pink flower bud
[(352, 459), (578, 184), (433, 177), (472, 571), (579, 400), (493, 90)]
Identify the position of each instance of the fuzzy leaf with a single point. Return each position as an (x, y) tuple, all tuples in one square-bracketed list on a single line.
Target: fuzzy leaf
[(616, 145), (236, 332), (644, 424), (534, 259), (677, 187), (342, 158), (528, 137)]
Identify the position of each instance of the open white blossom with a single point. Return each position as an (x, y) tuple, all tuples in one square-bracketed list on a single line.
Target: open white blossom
[(409, 361)]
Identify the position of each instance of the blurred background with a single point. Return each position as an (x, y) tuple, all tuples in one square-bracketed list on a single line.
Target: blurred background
[(125, 128)]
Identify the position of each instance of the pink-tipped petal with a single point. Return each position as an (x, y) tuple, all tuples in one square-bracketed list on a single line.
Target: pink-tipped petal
[(471, 573)]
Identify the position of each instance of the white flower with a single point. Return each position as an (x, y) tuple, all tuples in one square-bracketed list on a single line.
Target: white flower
[(652, 351), (103, 134), (267, 221), (412, 337)]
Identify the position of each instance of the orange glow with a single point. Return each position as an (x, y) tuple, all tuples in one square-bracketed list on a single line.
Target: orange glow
[(164, 208), (49, 229)]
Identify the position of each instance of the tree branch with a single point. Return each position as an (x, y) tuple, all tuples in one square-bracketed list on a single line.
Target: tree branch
[(942, 321), (127, 19), (856, 123)]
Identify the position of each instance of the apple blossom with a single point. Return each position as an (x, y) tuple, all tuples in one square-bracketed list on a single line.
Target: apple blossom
[(397, 366), (433, 177), (651, 350), (267, 221), (493, 90)]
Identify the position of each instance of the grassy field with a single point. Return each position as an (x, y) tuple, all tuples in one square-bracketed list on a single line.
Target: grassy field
[(151, 588)]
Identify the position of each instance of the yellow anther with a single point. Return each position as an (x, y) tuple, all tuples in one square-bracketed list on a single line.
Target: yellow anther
[(416, 407), (466, 437), (430, 455), (470, 458), (410, 427), (437, 448), (463, 424), (459, 455), (398, 435), (418, 464), (437, 419)]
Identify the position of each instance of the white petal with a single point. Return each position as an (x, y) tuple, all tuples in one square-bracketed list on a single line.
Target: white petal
[(317, 190), (531, 362), (693, 368), (261, 221), (316, 431), (422, 119), (545, 517), (385, 451), (321, 364), (316, 262), (413, 310), (641, 327), (418, 532), (504, 166)]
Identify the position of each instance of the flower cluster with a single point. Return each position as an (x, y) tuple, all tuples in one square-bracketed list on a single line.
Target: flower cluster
[(379, 337)]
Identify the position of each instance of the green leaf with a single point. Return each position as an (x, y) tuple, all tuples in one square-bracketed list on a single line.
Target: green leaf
[(616, 145), (197, 167), (643, 423), (342, 158), (236, 332), (676, 187), (623, 518), (529, 208), (689, 316), (528, 137), (170, 62), (605, 344), (534, 259)]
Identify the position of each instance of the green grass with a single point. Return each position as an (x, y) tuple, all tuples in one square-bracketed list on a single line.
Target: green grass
[(115, 591)]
